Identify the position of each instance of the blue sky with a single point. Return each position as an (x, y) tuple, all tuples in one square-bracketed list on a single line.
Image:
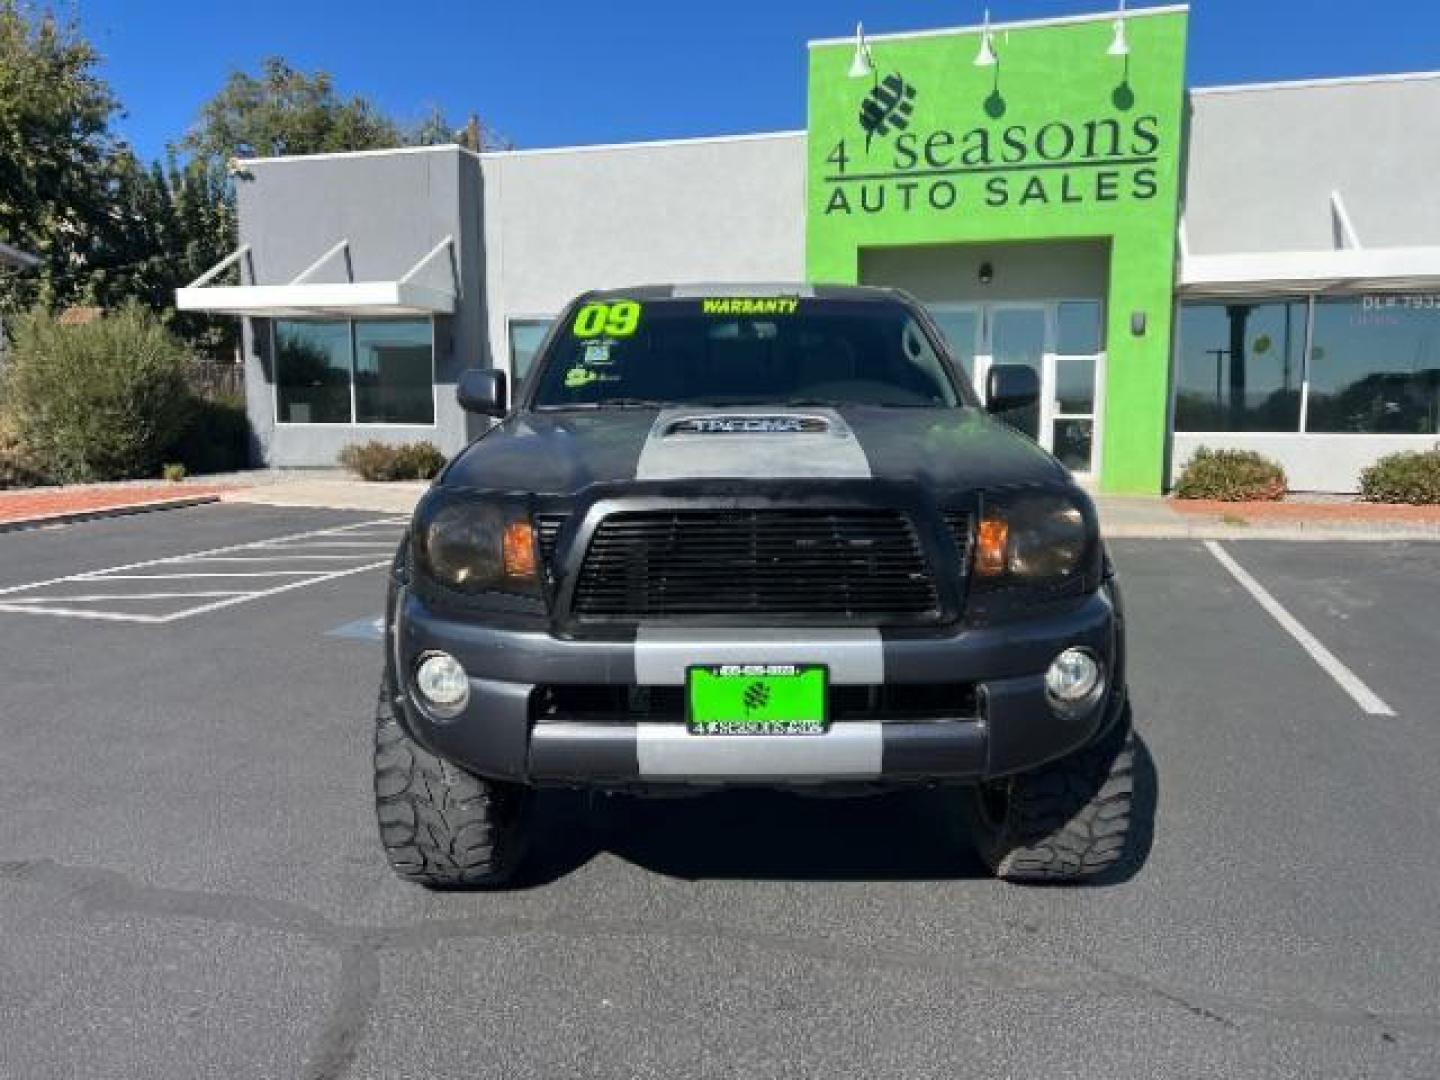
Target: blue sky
[(553, 74)]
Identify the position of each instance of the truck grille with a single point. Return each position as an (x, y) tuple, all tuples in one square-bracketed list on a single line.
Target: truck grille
[(851, 565)]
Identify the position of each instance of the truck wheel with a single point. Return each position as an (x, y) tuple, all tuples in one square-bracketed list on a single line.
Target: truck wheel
[(1069, 821), (441, 826)]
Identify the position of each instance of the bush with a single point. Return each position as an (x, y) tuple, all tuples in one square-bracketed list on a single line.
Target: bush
[(174, 472), (17, 467), (1231, 476), (216, 439), (383, 461), (1403, 478), (98, 401)]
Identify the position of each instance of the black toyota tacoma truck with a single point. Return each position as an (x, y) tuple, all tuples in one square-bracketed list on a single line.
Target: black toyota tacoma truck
[(752, 536)]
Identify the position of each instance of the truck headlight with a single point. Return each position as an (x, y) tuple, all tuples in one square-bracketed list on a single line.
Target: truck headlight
[(1032, 538), (1074, 676), (475, 546), (442, 683)]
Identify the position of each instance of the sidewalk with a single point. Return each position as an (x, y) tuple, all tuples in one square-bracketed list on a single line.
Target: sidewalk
[(332, 490), (1121, 516), (1145, 517)]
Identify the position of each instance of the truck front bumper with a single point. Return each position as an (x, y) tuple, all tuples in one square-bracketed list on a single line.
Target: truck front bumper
[(1012, 724)]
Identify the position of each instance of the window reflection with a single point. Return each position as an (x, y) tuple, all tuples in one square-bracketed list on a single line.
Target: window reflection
[(1375, 365), (1240, 366), (383, 367), (526, 336), (394, 383), (1077, 328), (312, 372)]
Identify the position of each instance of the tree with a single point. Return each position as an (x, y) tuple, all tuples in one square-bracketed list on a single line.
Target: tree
[(437, 130), (55, 154), (285, 111), (107, 227)]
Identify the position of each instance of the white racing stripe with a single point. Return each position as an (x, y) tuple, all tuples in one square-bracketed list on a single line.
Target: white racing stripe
[(846, 751), (855, 657), (1366, 698), (835, 454)]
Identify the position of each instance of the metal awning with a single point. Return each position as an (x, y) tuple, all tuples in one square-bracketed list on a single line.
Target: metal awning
[(301, 298), (1304, 272), (1350, 266)]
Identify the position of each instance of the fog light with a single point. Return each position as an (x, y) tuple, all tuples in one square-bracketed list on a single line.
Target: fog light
[(1073, 676), (442, 683)]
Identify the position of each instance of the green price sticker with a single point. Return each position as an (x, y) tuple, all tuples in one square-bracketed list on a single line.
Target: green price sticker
[(615, 320)]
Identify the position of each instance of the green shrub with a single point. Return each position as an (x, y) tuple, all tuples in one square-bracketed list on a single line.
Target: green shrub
[(174, 472), (1403, 478), (384, 461), (1231, 476), (216, 439), (17, 467), (98, 401)]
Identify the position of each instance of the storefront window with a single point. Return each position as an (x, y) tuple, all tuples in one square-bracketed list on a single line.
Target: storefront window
[(394, 380), (525, 338), (1240, 366), (1077, 328), (341, 372), (960, 327), (1375, 365), (312, 372)]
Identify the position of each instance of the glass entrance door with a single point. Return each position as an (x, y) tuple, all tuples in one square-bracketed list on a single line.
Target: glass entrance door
[(1019, 335), (1063, 341)]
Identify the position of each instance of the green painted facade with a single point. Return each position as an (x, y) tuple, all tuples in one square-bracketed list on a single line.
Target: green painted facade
[(1057, 141)]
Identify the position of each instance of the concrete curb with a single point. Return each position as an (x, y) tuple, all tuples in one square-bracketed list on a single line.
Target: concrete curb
[(1329, 533), (69, 517), (378, 498)]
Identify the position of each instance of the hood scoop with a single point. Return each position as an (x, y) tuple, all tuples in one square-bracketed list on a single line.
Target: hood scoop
[(747, 424)]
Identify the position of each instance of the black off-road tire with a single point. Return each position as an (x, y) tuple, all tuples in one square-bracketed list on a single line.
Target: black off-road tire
[(1070, 821), (441, 826)]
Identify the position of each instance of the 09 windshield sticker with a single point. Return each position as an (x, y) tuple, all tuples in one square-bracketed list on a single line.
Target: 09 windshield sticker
[(601, 328), (750, 305), (617, 320)]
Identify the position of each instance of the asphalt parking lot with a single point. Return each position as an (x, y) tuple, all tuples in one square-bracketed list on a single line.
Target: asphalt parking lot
[(190, 885)]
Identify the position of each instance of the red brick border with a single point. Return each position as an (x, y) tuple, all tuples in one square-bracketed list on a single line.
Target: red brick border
[(38, 506), (1317, 512)]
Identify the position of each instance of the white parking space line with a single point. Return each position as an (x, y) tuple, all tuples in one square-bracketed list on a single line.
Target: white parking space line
[(271, 567), (281, 557), (77, 613), (206, 574), (1367, 699), (202, 609), (89, 598), (300, 545)]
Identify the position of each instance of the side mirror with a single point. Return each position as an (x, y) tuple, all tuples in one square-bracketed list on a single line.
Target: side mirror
[(1011, 386), (482, 392)]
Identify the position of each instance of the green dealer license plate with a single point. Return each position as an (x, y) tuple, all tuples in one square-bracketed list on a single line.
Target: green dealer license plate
[(757, 699)]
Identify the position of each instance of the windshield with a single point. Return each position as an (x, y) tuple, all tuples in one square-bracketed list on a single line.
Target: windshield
[(743, 351)]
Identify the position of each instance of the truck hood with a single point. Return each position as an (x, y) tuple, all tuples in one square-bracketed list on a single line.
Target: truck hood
[(563, 453)]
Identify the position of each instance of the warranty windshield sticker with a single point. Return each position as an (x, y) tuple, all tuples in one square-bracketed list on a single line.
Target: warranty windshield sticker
[(750, 305)]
